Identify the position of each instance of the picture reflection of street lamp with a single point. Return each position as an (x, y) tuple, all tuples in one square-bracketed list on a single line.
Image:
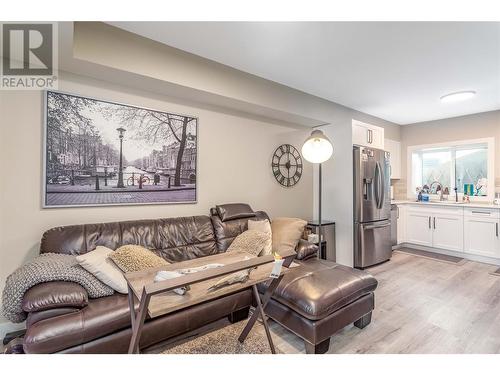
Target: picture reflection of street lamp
[(120, 171)]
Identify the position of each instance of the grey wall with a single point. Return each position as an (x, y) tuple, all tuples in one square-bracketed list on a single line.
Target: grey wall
[(479, 125)]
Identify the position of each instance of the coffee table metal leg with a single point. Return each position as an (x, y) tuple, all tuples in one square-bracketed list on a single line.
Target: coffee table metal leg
[(131, 307), (264, 320), (138, 324), (267, 296)]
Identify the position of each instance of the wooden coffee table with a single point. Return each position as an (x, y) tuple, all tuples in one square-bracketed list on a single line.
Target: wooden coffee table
[(157, 299)]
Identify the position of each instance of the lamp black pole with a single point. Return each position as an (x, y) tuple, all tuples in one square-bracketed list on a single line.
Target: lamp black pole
[(319, 214), (120, 167), (317, 149)]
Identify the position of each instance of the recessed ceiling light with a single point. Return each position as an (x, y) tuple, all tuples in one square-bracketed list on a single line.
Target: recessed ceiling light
[(457, 96)]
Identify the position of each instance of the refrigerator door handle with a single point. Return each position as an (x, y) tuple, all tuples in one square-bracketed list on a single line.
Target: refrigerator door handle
[(377, 226), (379, 186), (382, 183)]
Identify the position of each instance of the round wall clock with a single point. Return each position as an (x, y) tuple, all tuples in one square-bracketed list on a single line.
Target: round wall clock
[(287, 165)]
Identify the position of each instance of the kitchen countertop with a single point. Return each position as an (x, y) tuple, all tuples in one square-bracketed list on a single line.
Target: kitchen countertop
[(448, 204)]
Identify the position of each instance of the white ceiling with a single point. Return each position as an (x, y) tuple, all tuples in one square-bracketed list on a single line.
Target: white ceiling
[(395, 71)]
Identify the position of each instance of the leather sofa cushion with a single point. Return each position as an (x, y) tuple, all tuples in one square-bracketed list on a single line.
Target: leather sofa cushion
[(36, 316), (54, 294), (233, 211), (102, 317), (173, 239), (227, 231), (317, 288)]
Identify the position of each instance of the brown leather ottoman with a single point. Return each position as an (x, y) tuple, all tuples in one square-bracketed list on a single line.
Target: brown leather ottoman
[(319, 298)]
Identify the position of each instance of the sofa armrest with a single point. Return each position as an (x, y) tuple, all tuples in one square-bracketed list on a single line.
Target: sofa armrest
[(306, 250), (54, 294)]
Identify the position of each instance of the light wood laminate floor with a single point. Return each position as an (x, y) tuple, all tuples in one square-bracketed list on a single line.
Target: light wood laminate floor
[(422, 306)]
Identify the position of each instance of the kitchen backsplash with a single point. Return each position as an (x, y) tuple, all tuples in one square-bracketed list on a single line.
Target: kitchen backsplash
[(400, 188)]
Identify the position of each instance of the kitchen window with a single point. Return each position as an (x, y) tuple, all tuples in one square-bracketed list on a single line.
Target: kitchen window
[(451, 165)]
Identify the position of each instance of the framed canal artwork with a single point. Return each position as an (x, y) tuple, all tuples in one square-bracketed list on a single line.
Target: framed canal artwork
[(100, 153)]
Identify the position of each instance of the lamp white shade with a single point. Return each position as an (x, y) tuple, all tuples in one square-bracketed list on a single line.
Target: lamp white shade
[(317, 148)]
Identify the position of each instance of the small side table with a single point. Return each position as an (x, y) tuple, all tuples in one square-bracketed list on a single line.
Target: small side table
[(327, 249)]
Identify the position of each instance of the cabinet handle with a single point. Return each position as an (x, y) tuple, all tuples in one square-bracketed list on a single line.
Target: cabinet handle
[(434, 222), (397, 212), (496, 226), (429, 222), (482, 212), (368, 136)]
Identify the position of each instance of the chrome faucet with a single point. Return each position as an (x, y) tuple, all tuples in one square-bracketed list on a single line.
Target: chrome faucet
[(439, 189)]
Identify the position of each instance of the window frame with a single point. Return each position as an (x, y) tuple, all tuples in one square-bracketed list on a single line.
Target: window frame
[(490, 142)]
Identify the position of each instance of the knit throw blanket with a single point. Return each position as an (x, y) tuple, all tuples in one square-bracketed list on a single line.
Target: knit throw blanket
[(44, 268)]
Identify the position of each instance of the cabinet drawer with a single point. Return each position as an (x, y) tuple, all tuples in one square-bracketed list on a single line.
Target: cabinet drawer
[(482, 212)]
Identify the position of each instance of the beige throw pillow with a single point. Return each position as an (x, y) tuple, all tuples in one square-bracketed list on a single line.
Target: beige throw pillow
[(286, 232), (251, 241), (265, 227), (98, 263), (131, 258)]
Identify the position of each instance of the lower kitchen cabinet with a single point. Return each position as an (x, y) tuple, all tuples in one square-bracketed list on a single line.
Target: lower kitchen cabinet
[(435, 227), (482, 233), (468, 230), (418, 226), (448, 230)]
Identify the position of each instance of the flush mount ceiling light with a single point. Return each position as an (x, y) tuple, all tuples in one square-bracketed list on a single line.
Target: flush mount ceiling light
[(457, 96)]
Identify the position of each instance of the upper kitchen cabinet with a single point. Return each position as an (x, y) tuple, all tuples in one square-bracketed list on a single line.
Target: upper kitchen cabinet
[(364, 134), (394, 147)]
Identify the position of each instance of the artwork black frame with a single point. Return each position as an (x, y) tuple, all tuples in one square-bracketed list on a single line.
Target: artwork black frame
[(82, 149)]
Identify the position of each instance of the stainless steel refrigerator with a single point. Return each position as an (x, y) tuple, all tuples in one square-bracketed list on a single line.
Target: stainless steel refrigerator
[(372, 206)]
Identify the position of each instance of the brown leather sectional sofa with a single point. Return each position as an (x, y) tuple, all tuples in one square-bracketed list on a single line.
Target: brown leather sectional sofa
[(313, 301)]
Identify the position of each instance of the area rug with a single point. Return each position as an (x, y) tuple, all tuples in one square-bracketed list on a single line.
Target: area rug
[(434, 256), (225, 341)]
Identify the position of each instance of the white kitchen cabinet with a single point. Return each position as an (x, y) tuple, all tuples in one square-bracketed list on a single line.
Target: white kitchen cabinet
[(418, 226), (448, 229), (435, 227), (481, 232), (364, 134), (394, 148)]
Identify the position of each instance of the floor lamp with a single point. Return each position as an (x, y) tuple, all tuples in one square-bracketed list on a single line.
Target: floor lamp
[(317, 149)]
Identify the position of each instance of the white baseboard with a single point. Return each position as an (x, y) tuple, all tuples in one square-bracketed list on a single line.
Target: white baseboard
[(475, 258), (6, 327)]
